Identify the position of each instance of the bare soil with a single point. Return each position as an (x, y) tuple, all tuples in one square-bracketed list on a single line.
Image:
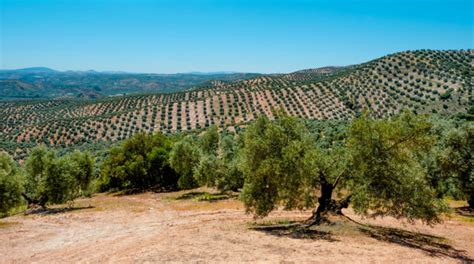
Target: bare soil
[(177, 227)]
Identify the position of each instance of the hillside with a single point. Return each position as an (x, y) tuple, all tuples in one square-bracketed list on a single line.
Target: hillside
[(424, 81)]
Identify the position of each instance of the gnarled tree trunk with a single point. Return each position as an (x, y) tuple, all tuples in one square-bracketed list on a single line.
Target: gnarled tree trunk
[(32, 203), (327, 206)]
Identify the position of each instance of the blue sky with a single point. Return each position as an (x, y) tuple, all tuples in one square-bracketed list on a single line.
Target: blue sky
[(249, 36)]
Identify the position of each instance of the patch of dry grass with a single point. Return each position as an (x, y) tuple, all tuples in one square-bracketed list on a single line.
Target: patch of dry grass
[(6, 224)]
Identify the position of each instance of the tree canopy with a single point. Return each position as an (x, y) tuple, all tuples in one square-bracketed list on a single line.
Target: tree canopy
[(378, 165), (11, 184), (141, 161)]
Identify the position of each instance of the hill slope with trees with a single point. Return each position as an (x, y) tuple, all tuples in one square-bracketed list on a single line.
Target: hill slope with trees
[(424, 81)]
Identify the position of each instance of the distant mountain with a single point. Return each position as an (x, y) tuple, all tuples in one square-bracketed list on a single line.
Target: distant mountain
[(47, 83), (210, 73), (30, 70)]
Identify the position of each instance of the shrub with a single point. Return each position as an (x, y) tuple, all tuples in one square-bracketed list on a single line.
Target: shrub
[(183, 159), (49, 179), (457, 160), (140, 162), (11, 182), (82, 170)]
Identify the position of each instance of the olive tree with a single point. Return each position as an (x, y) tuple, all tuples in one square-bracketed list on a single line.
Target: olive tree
[(49, 179), (209, 141), (184, 157), (218, 164), (141, 162), (377, 167), (82, 170), (457, 160), (387, 175), (11, 184)]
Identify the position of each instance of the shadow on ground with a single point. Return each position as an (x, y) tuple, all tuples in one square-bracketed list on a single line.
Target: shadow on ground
[(205, 196), (294, 230), (465, 211), (133, 191), (49, 211), (433, 245)]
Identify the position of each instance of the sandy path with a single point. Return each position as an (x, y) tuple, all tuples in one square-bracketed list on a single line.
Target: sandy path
[(156, 228)]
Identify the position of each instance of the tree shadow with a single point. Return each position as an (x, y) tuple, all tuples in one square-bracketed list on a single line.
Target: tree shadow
[(133, 191), (294, 230), (205, 196), (433, 245), (50, 211), (465, 211)]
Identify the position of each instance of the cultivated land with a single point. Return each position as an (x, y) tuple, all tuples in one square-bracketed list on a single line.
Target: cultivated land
[(184, 226), (424, 81)]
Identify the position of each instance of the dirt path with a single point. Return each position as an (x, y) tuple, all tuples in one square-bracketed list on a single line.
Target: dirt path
[(158, 228)]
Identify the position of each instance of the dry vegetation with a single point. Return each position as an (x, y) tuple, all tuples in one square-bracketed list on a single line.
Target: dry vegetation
[(424, 81), (195, 226)]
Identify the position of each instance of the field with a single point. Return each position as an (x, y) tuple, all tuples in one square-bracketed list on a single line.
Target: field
[(196, 226), (424, 81)]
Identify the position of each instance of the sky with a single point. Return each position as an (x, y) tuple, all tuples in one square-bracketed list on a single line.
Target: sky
[(169, 36)]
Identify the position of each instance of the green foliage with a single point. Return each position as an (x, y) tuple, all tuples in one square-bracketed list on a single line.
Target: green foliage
[(140, 162), (208, 160), (59, 185), (209, 170), (274, 164), (457, 160), (232, 178), (220, 167), (49, 179), (209, 141), (82, 170), (387, 176), (183, 159), (11, 184), (380, 167)]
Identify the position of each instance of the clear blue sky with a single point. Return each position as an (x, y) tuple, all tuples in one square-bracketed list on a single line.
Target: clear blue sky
[(227, 35)]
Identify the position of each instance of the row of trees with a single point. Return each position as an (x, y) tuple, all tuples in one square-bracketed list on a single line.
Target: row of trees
[(147, 161), (210, 159), (402, 166)]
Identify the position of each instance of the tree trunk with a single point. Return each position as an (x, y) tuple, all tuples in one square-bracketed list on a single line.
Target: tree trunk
[(32, 203), (470, 201), (327, 206)]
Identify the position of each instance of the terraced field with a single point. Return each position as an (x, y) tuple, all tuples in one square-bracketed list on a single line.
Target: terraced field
[(425, 81)]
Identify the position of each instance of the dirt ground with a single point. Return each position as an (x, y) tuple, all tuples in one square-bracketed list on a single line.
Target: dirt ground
[(173, 227)]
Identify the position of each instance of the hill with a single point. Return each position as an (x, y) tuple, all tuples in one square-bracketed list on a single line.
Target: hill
[(50, 84), (425, 81)]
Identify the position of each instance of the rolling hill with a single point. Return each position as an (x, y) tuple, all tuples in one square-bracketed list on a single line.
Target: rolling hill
[(425, 81)]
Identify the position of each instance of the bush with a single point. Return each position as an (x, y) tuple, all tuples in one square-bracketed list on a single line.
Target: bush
[(82, 170), (11, 183), (457, 160), (183, 159), (140, 162), (49, 180)]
